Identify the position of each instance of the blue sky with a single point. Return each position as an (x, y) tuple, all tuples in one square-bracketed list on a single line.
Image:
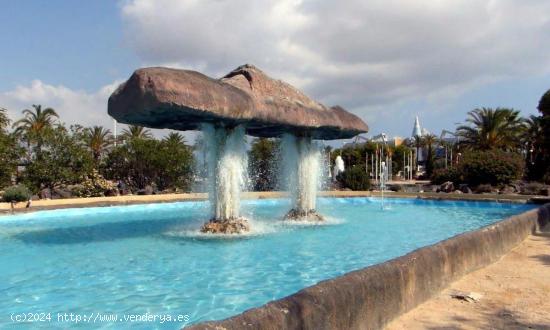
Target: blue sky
[(437, 60), (74, 43)]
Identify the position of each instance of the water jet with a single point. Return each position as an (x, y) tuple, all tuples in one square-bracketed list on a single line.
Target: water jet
[(302, 169), (226, 161)]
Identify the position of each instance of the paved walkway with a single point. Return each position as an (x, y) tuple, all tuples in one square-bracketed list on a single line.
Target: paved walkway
[(515, 294)]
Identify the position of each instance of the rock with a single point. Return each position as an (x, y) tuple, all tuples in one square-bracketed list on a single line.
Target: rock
[(484, 188), (465, 189), (75, 189), (457, 192), (508, 190), (395, 188), (232, 226), (45, 193), (148, 190), (467, 296), (183, 100), (111, 192), (447, 187), (533, 188), (297, 215), (517, 186), (62, 193)]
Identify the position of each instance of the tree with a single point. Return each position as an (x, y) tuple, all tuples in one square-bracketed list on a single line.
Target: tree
[(35, 125), (144, 162), (135, 163), (63, 160), (398, 160), (263, 157), (4, 120), (429, 141), (544, 104), (98, 140), (533, 139), (495, 167), (492, 128), (135, 132), (175, 139), (175, 163), (10, 152), (355, 178), (16, 194), (543, 158)]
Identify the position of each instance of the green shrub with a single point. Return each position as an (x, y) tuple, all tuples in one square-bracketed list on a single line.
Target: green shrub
[(355, 178), (494, 167), (16, 194), (443, 175), (94, 185)]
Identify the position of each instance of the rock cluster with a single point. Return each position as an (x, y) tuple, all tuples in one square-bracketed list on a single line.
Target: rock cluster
[(447, 187), (298, 215), (231, 226)]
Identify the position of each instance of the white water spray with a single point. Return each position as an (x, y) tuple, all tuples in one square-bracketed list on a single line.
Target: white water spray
[(301, 172), (226, 160)]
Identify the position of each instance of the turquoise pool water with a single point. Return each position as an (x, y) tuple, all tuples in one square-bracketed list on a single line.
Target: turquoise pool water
[(149, 260)]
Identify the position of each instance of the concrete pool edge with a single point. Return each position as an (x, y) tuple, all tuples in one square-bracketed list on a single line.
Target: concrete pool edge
[(371, 297), (169, 198)]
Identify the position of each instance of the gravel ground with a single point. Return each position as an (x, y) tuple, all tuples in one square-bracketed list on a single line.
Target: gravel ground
[(513, 293)]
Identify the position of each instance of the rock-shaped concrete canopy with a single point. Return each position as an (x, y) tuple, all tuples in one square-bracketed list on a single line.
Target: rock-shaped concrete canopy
[(182, 100)]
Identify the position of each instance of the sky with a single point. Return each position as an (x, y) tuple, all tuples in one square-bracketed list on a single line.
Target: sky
[(387, 61)]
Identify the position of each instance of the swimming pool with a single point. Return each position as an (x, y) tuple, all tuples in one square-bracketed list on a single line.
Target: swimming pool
[(150, 260)]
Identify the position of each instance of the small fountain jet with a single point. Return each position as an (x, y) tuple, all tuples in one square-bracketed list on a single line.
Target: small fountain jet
[(245, 101)]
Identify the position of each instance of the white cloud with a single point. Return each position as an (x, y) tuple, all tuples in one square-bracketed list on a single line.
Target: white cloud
[(73, 106), (361, 54)]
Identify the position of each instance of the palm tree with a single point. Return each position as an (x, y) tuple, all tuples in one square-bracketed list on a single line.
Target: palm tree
[(35, 124), (429, 140), (174, 139), (533, 131), (97, 139), (135, 132), (492, 128)]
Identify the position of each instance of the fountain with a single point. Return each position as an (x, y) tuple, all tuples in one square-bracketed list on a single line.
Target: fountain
[(245, 101), (301, 168)]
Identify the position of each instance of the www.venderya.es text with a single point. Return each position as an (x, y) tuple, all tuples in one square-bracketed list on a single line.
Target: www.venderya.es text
[(93, 317)]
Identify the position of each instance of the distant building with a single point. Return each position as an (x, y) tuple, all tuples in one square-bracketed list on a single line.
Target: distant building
[(417, 132), (395, 141), (416, 129)]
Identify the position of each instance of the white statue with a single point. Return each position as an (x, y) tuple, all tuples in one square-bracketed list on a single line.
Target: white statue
[(338, 166)]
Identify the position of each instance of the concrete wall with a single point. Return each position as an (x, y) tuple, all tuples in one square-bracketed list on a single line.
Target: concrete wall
[(371, 297)]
